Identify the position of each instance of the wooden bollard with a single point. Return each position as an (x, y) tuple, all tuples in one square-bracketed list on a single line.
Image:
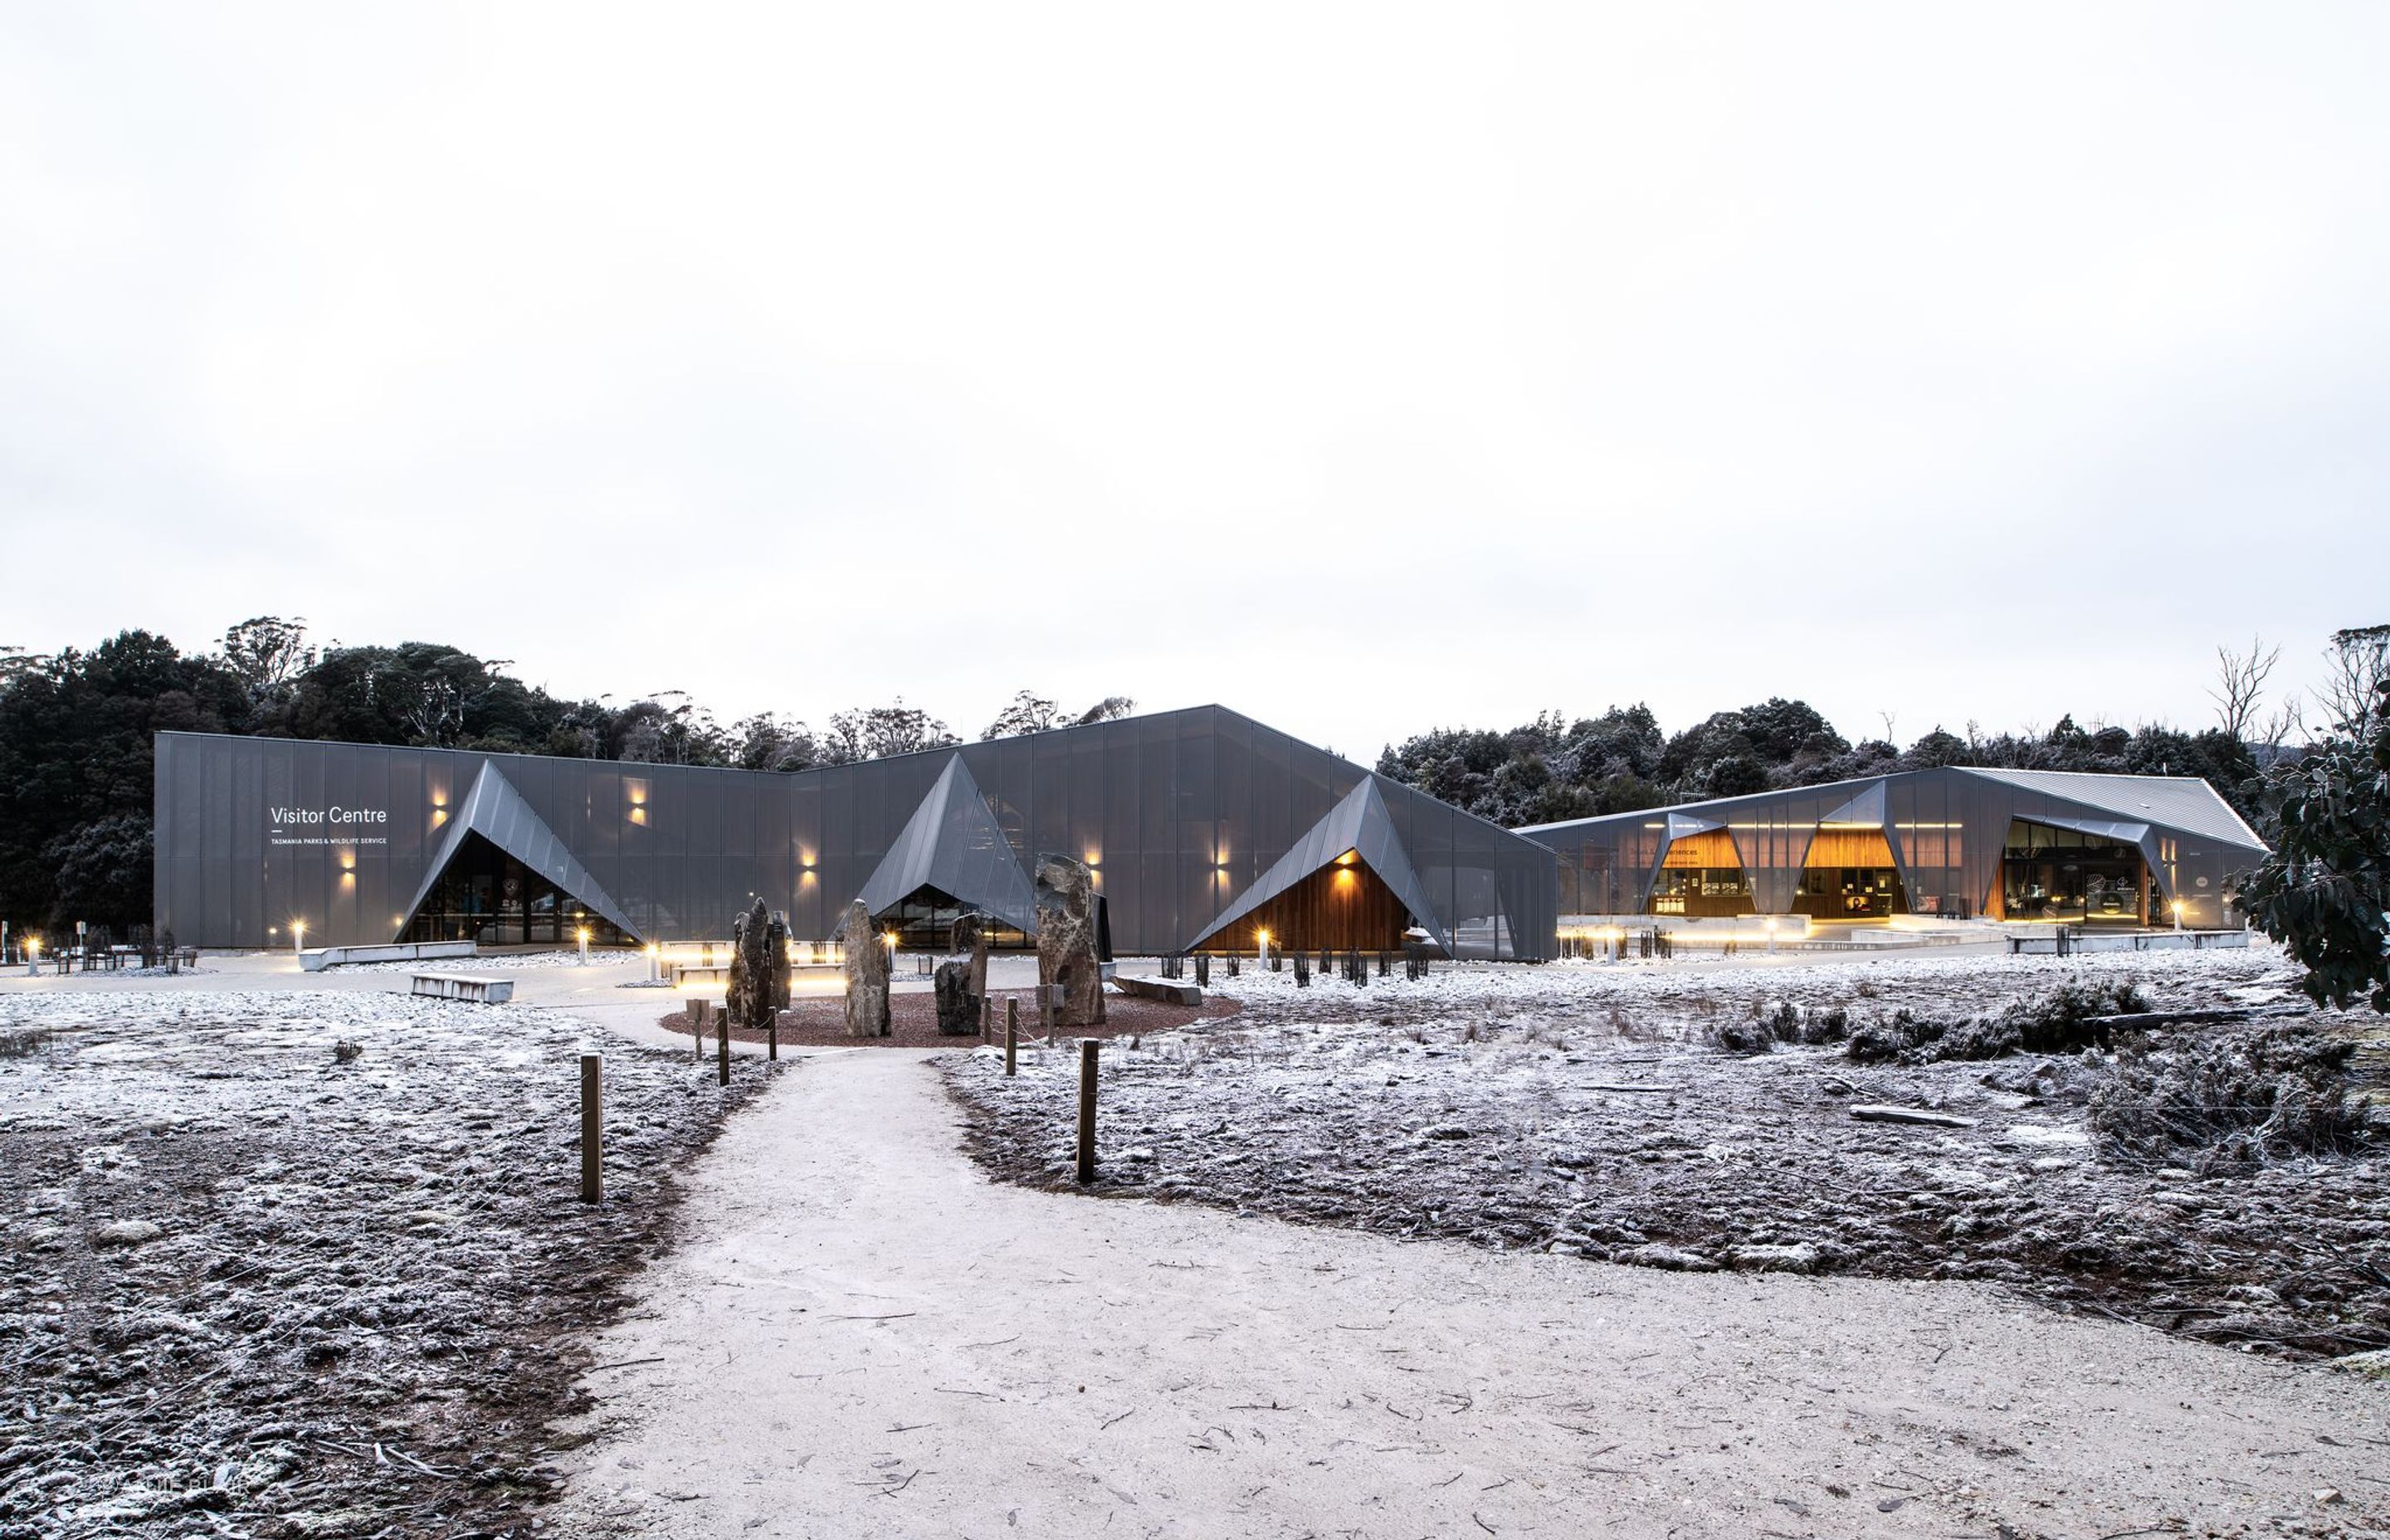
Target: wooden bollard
[(1012, 1033), (772, 1036), (593, 1126), (696, 1028), (986, 1017), (722, 1045), (1088, 1048)]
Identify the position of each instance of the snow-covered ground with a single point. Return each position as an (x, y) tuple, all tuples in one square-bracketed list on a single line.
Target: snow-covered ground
[(307, 1260), (1580, 1110)]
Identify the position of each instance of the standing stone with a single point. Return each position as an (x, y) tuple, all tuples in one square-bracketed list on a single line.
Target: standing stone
[(1066, 940), (748, 998), (867, 973), (957, 1014), (972, 931), (784, 969)]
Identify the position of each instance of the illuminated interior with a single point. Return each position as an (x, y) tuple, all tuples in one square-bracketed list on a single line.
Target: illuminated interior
[(924, 921), (1703, 878), (1849, 874), (2062, 874), (488, 896)]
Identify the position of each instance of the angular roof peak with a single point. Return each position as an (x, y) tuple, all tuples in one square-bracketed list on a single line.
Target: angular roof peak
[(952, 843), (495, 810), (1360, 823)]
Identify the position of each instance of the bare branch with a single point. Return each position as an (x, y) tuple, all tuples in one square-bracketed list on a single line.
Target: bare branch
[(2240, 685)]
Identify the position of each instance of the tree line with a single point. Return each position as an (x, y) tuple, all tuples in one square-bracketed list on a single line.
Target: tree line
[(75, 738), (1556, 768)]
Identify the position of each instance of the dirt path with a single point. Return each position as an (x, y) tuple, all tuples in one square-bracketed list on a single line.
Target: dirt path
[(863, 1337)]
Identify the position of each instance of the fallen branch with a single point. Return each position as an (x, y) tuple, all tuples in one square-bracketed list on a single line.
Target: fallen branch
[(1883, 1114)]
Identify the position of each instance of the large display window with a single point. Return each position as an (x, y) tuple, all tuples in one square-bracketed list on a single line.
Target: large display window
[(2065, 876)]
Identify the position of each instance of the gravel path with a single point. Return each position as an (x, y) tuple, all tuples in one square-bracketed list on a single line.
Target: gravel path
[(864, 1337)]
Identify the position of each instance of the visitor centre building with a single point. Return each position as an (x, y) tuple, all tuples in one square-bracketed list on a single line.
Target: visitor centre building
[(1203, 829), (1957, 843)]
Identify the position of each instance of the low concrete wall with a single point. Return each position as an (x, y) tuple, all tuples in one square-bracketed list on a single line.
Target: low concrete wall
[(2131, 941), (405, 951)]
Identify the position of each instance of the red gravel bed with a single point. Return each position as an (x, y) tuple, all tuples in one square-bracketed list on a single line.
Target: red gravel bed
[(913, 1020)]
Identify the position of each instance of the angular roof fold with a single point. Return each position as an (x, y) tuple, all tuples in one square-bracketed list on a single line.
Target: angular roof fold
[(495, 810), (952, 843), (1362, 824)]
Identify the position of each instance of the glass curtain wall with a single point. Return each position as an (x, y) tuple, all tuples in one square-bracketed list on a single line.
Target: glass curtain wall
[(1850, 875), (2063, 874), (1703, 878), (924, 921), (489, 897)]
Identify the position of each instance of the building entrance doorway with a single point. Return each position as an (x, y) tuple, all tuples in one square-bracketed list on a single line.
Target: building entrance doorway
[(489, 897), (1849, 874)]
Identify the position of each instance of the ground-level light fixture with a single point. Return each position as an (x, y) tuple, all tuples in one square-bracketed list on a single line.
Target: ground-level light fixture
[(298, 935), (33, 955)]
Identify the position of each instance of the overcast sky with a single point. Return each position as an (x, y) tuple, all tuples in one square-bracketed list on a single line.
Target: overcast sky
[(1363, 368)]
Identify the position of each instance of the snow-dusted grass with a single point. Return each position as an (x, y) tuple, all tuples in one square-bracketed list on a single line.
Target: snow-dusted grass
[(304, 1262), (1580, 1110)]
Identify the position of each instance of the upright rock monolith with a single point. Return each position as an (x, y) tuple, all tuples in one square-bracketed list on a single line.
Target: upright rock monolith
[(784, 967), (973, 931), (957, 1014), (961, 983), (753, 974), (867, 973), (1066, 940)]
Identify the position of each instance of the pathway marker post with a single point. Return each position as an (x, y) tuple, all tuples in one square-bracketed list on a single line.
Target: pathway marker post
[(593, 1126), (1088, 1048)]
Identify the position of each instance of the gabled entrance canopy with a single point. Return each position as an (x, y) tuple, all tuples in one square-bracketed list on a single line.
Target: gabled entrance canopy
[(1360, 825), (495, 810), (952, 845)]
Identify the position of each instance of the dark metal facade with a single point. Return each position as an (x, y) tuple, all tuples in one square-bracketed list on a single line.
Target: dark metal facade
[(1179, 813), (1949, 830)]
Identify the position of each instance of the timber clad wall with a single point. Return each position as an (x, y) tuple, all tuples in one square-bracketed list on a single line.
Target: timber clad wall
[(1178, 813)]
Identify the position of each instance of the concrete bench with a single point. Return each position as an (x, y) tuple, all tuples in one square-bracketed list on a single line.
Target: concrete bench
[(481, 988), (1176, 992)]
